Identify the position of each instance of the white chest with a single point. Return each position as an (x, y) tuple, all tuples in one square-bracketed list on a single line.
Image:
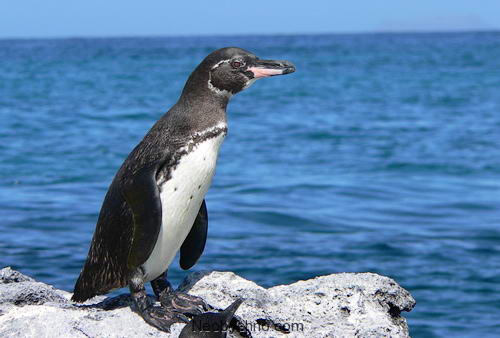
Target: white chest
[(181, 198)]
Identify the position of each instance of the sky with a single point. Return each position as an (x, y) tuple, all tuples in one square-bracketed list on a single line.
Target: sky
[(102, 18)]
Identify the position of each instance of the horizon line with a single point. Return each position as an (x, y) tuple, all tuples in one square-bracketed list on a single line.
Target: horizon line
[(156, 36)]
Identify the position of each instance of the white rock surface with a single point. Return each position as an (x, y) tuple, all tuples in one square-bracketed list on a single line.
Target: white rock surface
[(338, 305)]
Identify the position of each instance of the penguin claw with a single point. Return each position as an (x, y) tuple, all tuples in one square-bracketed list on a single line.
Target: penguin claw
[(184, 303), (161, 318)]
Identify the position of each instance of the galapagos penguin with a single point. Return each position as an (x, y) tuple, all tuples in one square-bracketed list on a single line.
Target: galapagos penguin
[(155, 204)]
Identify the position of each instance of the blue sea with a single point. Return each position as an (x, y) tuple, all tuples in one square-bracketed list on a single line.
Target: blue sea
[(381, 153)]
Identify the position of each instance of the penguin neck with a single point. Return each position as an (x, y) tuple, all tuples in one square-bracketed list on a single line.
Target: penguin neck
[(198, 90), (204, 97), (204, 106)]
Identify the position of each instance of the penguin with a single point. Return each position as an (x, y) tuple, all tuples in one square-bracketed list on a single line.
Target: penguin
[(155, 204)]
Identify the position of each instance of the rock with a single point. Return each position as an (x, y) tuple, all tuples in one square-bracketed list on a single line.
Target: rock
[(337, 305), (18, 289), (7, 275)]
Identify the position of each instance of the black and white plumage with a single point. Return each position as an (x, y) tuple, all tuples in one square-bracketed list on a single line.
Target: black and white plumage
[(155, 205)]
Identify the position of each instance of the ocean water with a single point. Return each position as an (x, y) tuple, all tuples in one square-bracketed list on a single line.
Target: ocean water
[(381, 153)]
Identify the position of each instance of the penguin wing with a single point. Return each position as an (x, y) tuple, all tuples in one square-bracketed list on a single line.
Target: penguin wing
[(142, 195), (193, 245), (126, 232)]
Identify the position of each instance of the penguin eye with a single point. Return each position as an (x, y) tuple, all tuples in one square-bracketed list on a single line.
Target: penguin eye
[(236, 64)]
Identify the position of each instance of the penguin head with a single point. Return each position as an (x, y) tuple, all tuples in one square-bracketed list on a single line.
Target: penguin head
[(234, 69), (231, 70)]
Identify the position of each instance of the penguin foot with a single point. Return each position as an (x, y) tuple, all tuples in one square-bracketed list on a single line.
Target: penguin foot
[(162, 318), (184, 303)]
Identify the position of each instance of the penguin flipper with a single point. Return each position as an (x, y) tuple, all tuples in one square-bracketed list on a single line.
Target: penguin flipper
[(142, 195), (194, 244)]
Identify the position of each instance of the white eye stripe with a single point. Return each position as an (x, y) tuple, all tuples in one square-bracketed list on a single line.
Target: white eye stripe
[(230, 61), (219, 63), (216, 90)]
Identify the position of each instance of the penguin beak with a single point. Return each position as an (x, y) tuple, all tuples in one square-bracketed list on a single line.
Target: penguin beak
[(265, 68)]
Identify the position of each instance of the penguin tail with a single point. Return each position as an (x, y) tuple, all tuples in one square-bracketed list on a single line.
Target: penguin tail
[(82, 291), (95, 280)]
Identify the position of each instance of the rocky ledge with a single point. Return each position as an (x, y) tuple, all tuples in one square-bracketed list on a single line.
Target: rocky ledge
[(338, 305)]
